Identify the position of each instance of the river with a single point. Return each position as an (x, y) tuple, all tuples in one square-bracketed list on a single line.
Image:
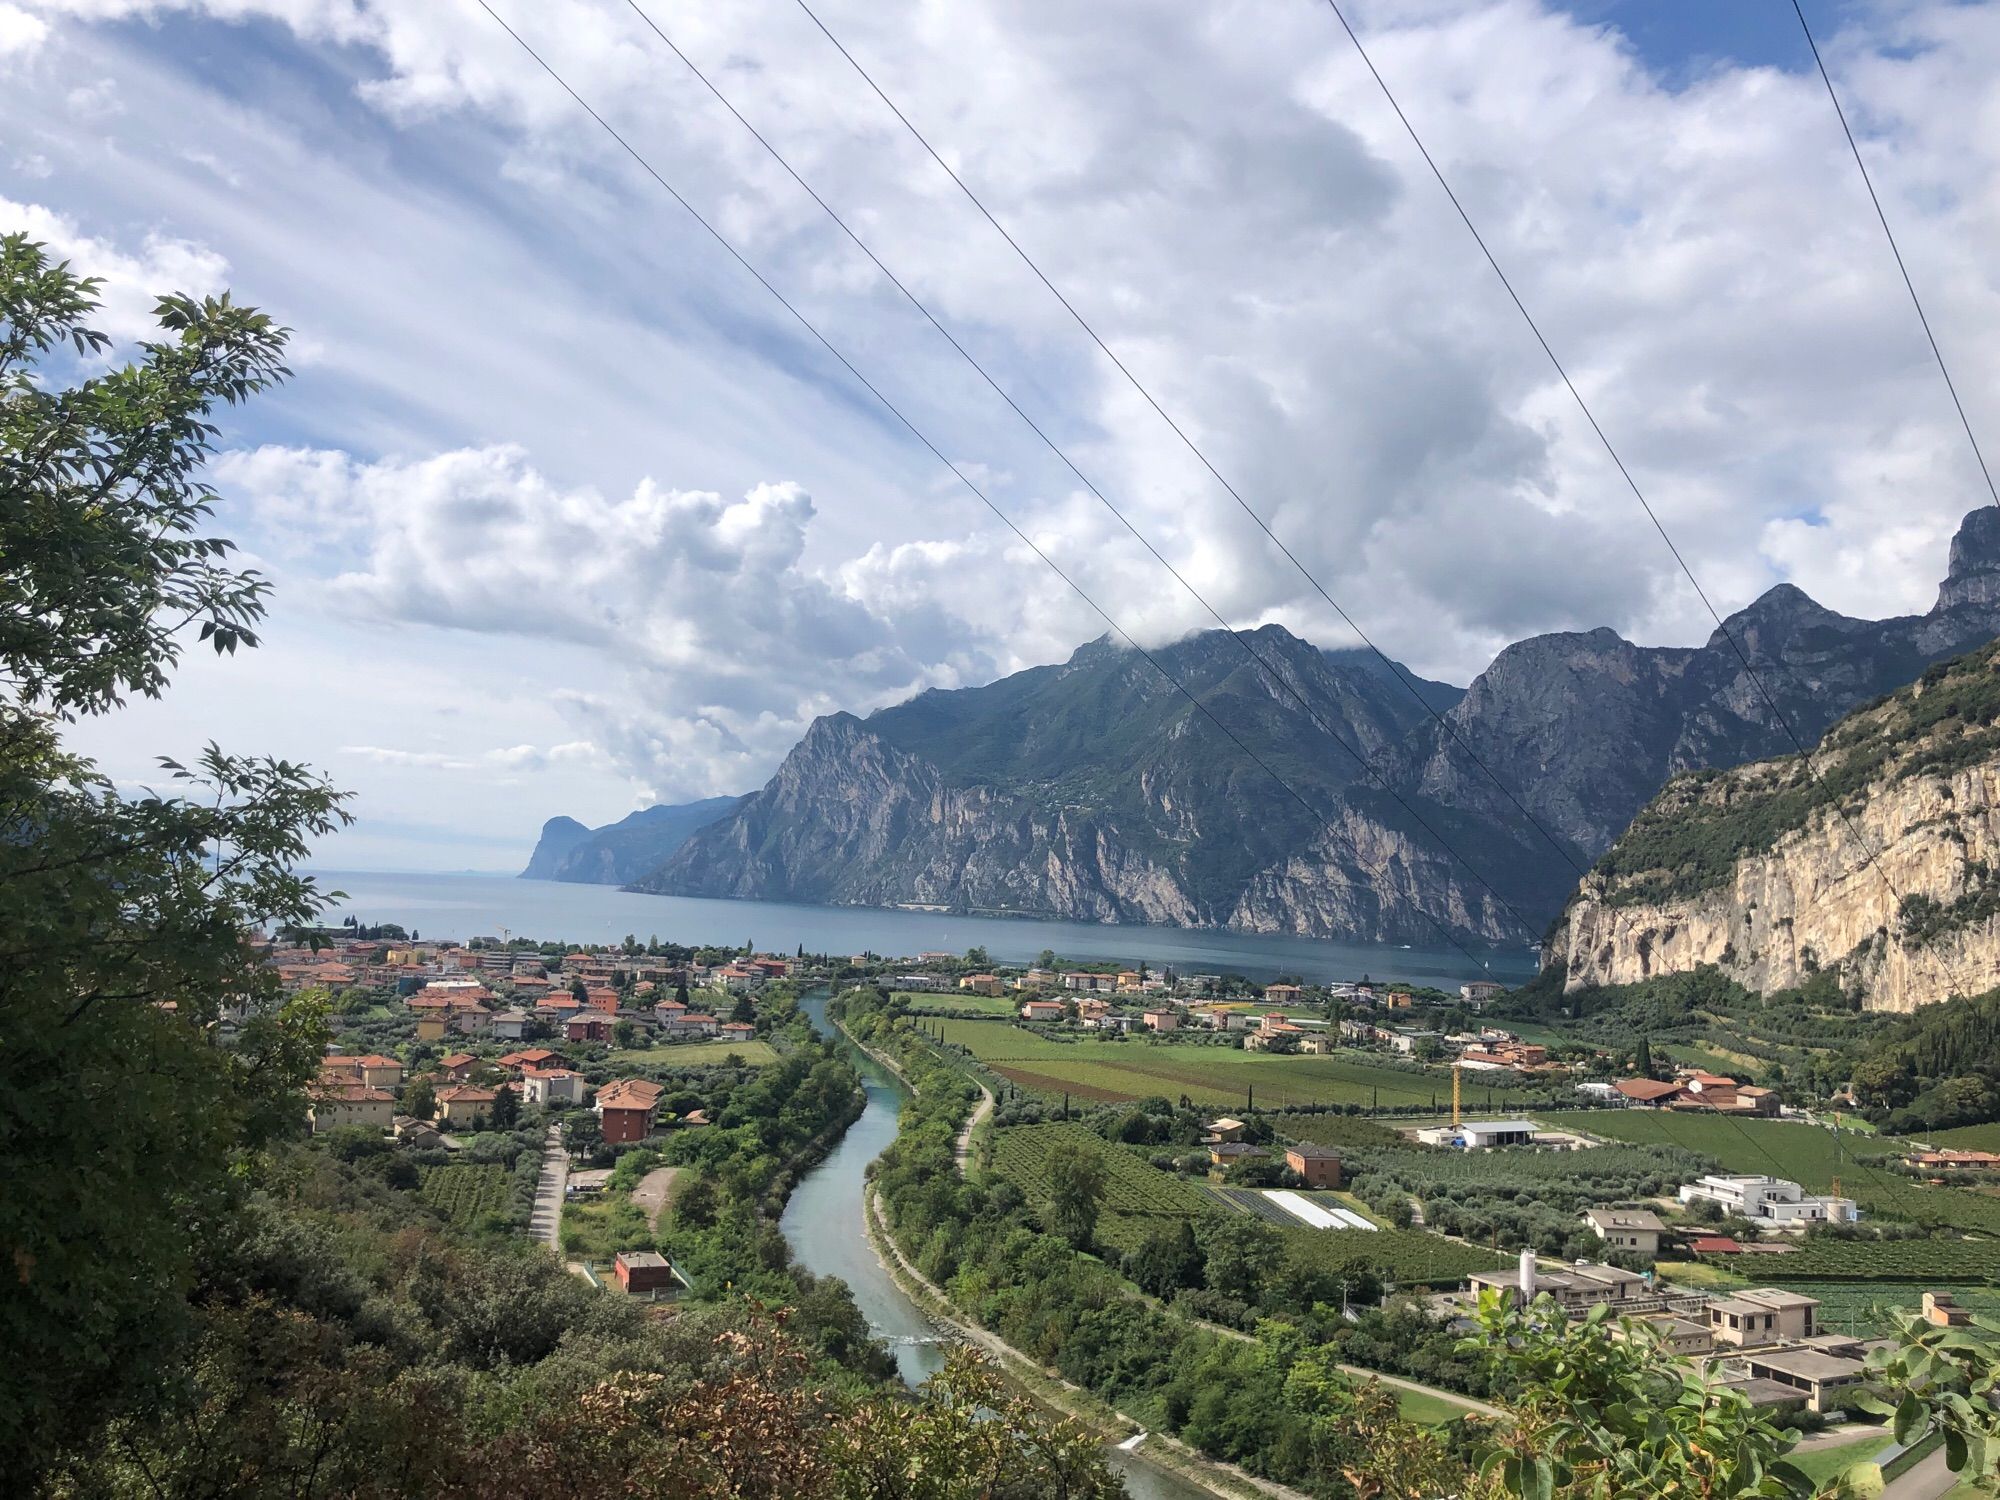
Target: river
[(465, 906), (823, 1225)]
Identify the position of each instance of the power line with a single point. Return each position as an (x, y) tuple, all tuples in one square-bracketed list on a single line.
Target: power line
[(1868, 851), (1273, 672), (1896, 250), (916, 432), (1396, 670)]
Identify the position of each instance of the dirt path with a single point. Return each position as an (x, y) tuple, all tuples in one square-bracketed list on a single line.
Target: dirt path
[(961, 1151), (654, 1192)]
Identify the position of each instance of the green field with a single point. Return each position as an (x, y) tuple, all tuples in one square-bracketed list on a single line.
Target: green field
[(1823, 1464), (1430, 1410), (464, 1195), (1966, 1138), (1212, 1076), (697, 1054), (1806, 1154), (946, 1001), (1138, 1197)]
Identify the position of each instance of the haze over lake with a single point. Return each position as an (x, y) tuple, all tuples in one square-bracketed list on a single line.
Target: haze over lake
[(466, 906)]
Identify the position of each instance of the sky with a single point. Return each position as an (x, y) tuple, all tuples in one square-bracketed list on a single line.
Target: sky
[(565, 513)]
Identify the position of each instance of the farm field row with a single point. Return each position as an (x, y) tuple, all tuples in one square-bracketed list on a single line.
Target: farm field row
[(752, 1053), (1807, 1154), (1860, 1307), (466, 1194), (1209, 1075), (1925, 1261)]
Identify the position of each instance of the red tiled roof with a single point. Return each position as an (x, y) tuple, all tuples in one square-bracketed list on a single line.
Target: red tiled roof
[(456, 1060), (1715, 1244), (349, 1093), (629, 1093), (465, 1093)]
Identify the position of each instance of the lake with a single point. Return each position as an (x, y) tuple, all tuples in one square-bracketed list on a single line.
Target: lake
[(465, 906)]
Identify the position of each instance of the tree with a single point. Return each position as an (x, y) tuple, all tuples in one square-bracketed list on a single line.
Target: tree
[(1166, 1261), (1642, 1058), (126, 916), (506, 1110), (1046, 959), (1075, 1175), (579, 991), (742, 1010), (681, 991), (625, 1034), (976, 956), (420, 1099)]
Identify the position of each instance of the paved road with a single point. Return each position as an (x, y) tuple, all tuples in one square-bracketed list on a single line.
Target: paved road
[(545, 1223), (1927, 1479)]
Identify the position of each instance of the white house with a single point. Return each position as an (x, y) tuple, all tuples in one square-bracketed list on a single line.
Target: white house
[(1770, 1200)]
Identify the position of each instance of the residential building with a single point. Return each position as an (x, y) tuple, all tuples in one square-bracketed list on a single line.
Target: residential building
[(1317, 1164), (1228, 1153), (1398, 1000), (529, 1057), (1041, 1010), (982, 984), (1942, 1309), (1479, 992), (1761, 1315), (545, 1086), (1163, 1020), (1283, 994), (626, 1108), (510, 1025), (1636, 1230), (736, 1031), (463, 1103), (1225, 1129), (593, 1027), (332, 1105), (1770, 1200), (1319, 1046), (374, 1071), (457, 1066)]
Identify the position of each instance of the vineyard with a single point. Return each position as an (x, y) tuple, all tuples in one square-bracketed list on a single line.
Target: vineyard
[(1860, 1308), (1568, 1179), (465, 1195), (1211, 1075), (1335, 1130), (1138, 1197), (1410, 1257), (1929, 1261)]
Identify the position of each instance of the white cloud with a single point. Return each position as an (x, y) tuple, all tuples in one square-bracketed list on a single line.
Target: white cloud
[(512, 328), (20, 33), (132, 282)]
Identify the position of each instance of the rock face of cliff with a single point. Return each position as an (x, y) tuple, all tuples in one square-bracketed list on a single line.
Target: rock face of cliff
[(621, 851), (1094, 790), (1885, 868)]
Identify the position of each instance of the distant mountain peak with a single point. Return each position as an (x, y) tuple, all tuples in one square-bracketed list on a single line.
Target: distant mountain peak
[(1973, 577)]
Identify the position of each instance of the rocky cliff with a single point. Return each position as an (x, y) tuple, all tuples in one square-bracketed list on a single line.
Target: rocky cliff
[(621, 851), (1094, 790), (1884, 868)]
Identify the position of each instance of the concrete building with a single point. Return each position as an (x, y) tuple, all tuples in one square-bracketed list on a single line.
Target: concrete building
[(1637, 1230), (647, 1273), (1575, 1288), (1822, 1375), (1480, 1135), (1770, 1200), (1761, 1315)]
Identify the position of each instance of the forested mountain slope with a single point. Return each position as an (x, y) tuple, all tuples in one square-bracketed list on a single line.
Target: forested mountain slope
[(619, 851)]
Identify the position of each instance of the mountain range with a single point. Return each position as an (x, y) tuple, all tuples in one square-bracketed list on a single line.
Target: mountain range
[(1095, 790), (623, 851)]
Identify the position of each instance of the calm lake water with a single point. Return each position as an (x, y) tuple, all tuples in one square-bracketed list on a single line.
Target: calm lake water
[(464, 906)]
